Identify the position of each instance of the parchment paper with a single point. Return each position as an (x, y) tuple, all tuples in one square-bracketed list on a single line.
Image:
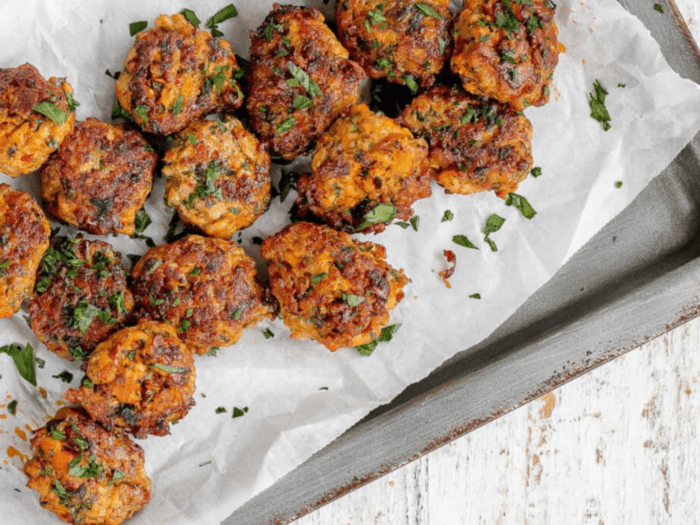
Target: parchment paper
[(299, 395)]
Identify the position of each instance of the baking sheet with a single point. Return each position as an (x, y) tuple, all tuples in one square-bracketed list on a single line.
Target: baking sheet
[(212, 464)]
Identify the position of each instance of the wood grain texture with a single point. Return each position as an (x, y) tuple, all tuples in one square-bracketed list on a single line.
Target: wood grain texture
[(618, 445)]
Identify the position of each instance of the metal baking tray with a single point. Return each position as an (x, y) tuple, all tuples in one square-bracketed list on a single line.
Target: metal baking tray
[(636, 279)]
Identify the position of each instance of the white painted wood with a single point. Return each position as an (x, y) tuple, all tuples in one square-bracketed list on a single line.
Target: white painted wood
[(618, 445)]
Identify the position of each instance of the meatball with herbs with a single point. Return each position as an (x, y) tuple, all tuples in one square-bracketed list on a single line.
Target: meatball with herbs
[(175, 74), (35, 116), (300, 80), (404, 41), (99, 178), (475, 144), (80, 298), (85, 474), (204, 287), (329, 287), (507, 50), (217, 177), (366, 170), (141, 380), (24, 237)]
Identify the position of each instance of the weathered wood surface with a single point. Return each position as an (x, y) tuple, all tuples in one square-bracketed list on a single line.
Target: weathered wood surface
[(618, 445)]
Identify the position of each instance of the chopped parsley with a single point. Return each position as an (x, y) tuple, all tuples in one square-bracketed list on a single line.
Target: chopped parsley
[(268, 333), (618, 184), (463, 241), (220, 16), (177, 105), (352, 300), (536, 171), (493, 224), (302, 79), (318, 277), (208, 188), (285, 125), (236, 314), (597, 104), (447, 216), (64, 376), (190, 17), (220, 410), (12, 407), (659, 8), (302, 102), (384, 336), (270, 27), (381, 213), (429, 11), (23, 359), (58, 435), (171, 369), (91, 470), (137, 27), (475, 296), (141, 221), (411, 83), (375, 18), (521, 204), (82, 316), (72, 103), (142, 112), (48, 109), (441, 45), (237, 412)]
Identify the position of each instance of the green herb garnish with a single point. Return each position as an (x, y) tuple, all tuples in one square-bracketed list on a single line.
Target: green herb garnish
[(23, 359), (521, 204), (48, 109), (597, 104), (463, 241), (137, 27), (381, 213)]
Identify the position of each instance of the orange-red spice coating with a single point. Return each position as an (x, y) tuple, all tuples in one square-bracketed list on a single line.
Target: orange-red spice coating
[(475, 144), (507, 50), (394, 38), (289, 116), (27, 137), (99, 178), (174, 74), (331, 288), (84, 474), (204, 287), (81, 297), (142, 380), (363, 160), (217, 177), (24, 237)]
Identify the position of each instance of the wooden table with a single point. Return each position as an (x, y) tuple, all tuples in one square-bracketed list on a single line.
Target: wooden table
[(618, 445)]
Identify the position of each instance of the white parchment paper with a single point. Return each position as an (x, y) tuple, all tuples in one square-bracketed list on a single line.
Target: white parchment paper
[(300, 396)]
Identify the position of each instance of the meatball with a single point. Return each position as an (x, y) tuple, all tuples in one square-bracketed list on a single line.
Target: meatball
[(475, 144), (363, 161), (507, 50), (331, 288), (204, 287), (24, 237), (35, 117), (80, 297), (404, 41), (140, 379), (175, 74), (99, 178), (84, 474), (300, 79), (217, 177)]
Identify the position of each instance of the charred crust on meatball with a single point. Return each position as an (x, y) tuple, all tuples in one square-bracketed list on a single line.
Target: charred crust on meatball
[(80, 297), (85, 474), (300, 79), (204, 287)]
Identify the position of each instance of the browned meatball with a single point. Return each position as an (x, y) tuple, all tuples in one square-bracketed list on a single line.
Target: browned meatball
[(300, 79), (84, 474), (331, 288), (175, 74), (217, 177), (507, 50), (204, 287), (24, 237), (99, 178), (35, 117), (364, 161), (475, 144), (405, 41), (140, 379), (80, 297)]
